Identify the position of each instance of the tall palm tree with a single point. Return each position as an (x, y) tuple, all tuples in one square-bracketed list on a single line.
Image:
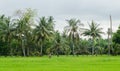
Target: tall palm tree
[(73, 30), (24, 27), (109, 32), (43, 31), (94, 31), (6, 29)]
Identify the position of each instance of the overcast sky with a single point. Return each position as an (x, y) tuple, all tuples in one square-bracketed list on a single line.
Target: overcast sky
[(85, 10)]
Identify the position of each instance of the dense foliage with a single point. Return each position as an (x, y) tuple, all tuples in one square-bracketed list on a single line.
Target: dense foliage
[(116, 42), (23, 35)]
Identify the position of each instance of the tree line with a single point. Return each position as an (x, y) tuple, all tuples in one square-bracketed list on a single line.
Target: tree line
[(23, 35)]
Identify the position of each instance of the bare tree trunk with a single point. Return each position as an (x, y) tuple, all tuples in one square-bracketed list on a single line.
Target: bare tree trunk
[(110, 33)]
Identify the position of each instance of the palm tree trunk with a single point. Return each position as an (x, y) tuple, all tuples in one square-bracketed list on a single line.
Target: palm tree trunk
[(108, 45), (73, 49), (41, 50), (57, 51), (73, 44), (93, 46), (28, 51), (11, 50), (93, 50), (23, 48)]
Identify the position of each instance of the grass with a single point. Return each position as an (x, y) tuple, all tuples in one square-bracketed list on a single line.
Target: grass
[(62, 63)]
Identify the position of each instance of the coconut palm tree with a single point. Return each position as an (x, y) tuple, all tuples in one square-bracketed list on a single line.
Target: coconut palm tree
[(43, 31), (73, 30), (109, 32), (6, 30), (24, 26), (94, 31)]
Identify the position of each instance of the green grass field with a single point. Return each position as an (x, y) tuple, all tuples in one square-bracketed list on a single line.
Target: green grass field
[(62, 63)]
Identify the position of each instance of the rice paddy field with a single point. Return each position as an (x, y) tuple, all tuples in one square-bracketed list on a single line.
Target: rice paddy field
[(62, 63)]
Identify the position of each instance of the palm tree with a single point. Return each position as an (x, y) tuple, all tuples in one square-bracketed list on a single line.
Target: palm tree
[(43, 31), (94, 31), (57, 43), (109, 32), (6, 30), (73, 30), (24, 27)]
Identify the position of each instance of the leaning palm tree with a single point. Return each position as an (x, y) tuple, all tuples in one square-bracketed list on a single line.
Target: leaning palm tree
[(73, 30), (94, 31), (43, 31), (6, 30)]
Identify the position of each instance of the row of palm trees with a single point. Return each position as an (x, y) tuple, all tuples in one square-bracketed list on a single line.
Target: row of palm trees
[(75, 30), (25, 34)]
